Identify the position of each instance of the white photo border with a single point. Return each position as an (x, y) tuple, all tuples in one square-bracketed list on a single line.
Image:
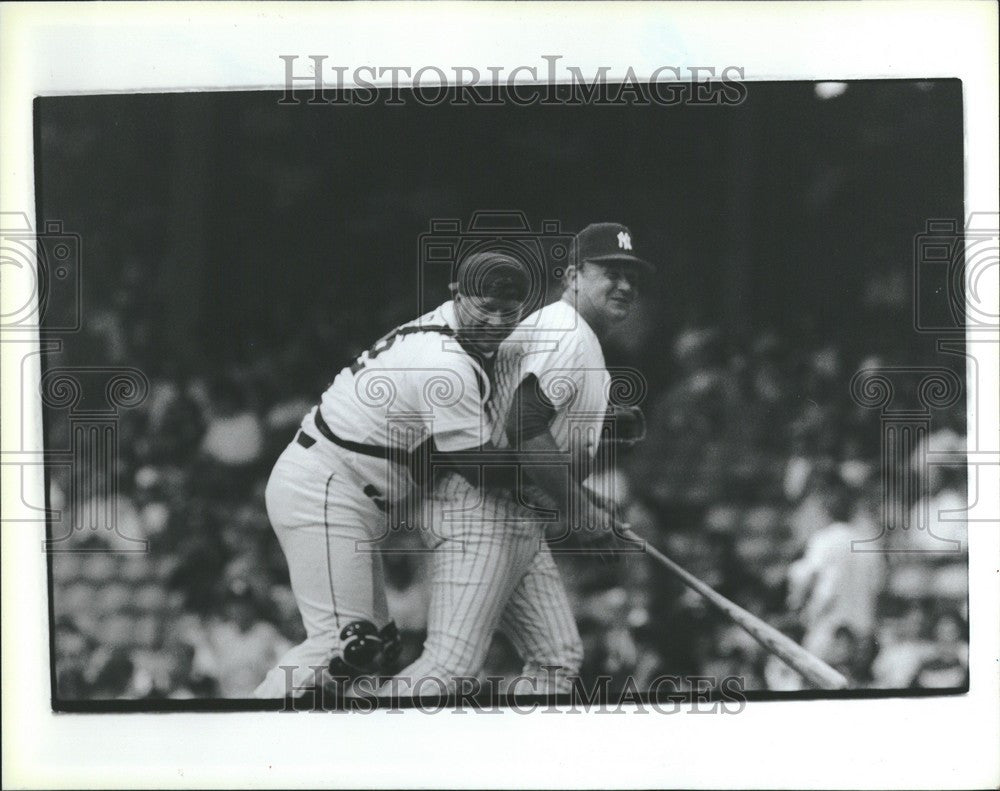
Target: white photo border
[(70, 48)]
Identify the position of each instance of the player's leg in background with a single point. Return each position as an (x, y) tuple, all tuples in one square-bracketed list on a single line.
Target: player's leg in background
[(477, 562), (539, 621), (321, 521)]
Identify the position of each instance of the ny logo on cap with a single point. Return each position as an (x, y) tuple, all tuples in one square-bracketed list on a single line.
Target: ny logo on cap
[(624, 240)]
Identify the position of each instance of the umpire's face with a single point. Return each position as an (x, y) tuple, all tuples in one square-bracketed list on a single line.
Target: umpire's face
[(605, 292), (485, 321)]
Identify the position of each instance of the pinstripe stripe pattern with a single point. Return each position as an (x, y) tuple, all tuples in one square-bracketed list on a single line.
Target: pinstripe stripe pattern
[(563, 352), (491, 570)]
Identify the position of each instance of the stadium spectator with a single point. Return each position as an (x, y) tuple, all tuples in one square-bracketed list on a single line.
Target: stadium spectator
[(947, 663), (903, 649), (239, 648), (835, 585)]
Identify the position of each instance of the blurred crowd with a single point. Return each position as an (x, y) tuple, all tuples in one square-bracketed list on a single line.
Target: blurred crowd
[(758, 473), (241, 271), (762, 476)]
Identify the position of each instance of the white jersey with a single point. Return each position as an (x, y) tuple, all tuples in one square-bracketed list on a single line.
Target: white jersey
[(414, 383), (489, 570), (563, 352)]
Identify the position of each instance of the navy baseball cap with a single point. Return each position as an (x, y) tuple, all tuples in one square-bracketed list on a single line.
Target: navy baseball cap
[(606, 242), (493, 275)]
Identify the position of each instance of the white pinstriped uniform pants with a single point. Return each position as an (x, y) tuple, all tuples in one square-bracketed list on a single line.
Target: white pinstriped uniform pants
[(491, 569)]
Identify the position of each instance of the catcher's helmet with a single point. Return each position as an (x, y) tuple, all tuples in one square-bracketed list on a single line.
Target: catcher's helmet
[(493, 274)]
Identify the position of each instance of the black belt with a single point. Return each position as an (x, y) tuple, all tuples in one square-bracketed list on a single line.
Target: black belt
[(377, 451)]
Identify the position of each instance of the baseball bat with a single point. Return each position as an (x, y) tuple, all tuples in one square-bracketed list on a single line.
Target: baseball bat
[(809, 666)]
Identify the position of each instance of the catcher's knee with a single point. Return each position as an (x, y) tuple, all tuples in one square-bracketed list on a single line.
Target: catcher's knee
[(366, 650)]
